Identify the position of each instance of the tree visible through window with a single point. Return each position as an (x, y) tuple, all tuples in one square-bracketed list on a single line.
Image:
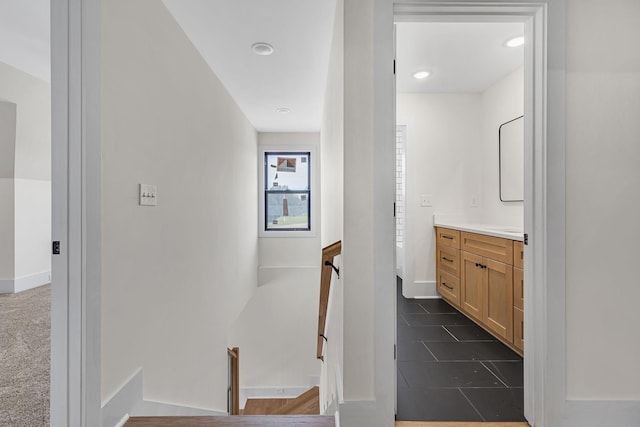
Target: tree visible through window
[(287, 191)]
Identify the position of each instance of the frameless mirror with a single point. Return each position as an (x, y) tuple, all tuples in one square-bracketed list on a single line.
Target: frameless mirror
[(511, 148)]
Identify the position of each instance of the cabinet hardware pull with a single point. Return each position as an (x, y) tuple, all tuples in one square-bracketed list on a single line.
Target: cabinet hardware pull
[(444, 236), (447, 286), (477, 265), (447, 259)]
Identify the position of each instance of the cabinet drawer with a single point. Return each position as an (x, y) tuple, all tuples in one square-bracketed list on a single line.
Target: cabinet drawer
[(448, 260), (449, 287), (518, 254), (488, 246), (518, 329), (518, 288), (448, 237)]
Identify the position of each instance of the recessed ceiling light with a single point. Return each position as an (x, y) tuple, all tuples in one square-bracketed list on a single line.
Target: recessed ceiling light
[(421, 75), (262, 48), (515, 42), (283, 110)]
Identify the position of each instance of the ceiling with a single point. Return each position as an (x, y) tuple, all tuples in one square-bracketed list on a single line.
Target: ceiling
[(293, 77), (24, 36), (461, 57)]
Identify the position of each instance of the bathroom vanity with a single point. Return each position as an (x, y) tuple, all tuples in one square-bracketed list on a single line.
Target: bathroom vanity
[(480, 271)]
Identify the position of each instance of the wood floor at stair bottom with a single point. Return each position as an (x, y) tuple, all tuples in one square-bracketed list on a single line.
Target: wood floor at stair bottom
[(234, 421), (308, 403), (264, 406)]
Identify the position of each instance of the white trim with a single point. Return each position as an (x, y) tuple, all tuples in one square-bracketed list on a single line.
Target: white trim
[(544, 211), (123, 400), (128, 401), (314, 194), (76, 213), (24, 283), (420, 289), (149, 408), (596, 413)]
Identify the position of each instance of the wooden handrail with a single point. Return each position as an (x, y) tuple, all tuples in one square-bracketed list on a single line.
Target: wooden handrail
[(327, 267), (234, 387)]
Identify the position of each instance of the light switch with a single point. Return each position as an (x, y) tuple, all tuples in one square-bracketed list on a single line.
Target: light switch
[(475, 201), (426, 200), (148, 195)]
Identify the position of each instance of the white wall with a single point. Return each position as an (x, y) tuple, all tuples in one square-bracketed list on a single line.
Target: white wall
[(501, 102), (444, 148), (603, 153), (276, 330), (332, 188), (175, 276), (7, 190), (33, 125), (26, 166), (7, 233), (33, 228)]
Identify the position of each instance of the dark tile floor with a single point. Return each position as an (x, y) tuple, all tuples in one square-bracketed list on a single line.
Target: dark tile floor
[(450, 369)]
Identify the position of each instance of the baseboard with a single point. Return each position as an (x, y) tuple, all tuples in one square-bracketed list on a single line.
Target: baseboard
[(359, 414), (596, 413), (128, 401), (270, 393), (24, 283), (150, 408), (420, 289), (121, 403)]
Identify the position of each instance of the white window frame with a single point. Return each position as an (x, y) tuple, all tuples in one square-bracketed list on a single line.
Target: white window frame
[(314, 166)]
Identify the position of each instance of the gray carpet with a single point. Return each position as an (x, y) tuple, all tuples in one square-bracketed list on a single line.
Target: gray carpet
[(25, 330)]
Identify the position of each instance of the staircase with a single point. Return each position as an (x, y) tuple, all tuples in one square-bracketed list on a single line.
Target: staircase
[(308, 403), (234, 421)]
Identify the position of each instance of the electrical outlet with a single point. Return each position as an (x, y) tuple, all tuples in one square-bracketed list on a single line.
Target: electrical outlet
[(426, 200), (148, 195)]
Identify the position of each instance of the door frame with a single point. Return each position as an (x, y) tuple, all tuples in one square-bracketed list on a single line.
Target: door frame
[(545, 71), (76, 213)]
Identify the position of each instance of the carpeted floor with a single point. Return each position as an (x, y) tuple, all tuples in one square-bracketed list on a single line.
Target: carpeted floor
[(25, 330)]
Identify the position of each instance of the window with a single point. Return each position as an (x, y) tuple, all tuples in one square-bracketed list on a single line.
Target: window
[(287, 191)]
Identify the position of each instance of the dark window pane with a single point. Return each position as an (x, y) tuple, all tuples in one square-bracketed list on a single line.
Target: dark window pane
[(287, 211)]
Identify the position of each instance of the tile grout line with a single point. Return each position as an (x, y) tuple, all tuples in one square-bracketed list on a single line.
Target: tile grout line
[(472, 405), (492, 373), (454, 337), (429, 350)]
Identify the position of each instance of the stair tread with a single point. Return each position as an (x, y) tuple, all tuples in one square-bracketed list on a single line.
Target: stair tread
[(307, 403), (266, 406), (235, 421)]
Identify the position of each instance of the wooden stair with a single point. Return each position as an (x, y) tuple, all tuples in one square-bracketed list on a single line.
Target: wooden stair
[(234, 421), (308, 403)]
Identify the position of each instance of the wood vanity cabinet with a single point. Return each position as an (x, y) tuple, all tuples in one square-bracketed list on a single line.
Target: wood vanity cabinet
[(476, 273)]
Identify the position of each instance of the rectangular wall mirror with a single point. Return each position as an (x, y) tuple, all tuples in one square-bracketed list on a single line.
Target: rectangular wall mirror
[(511, 142)]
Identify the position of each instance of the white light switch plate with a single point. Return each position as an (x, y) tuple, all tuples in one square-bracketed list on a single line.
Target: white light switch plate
[(148, 195), (426, 200)]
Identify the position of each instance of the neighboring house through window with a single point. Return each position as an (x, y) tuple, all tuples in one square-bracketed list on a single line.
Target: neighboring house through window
[(286, 187)]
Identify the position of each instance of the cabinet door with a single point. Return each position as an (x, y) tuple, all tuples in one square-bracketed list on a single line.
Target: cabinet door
[(472, 277), (498, 303)]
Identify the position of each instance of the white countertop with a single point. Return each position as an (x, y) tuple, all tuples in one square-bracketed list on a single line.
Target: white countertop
[(504, 231)]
